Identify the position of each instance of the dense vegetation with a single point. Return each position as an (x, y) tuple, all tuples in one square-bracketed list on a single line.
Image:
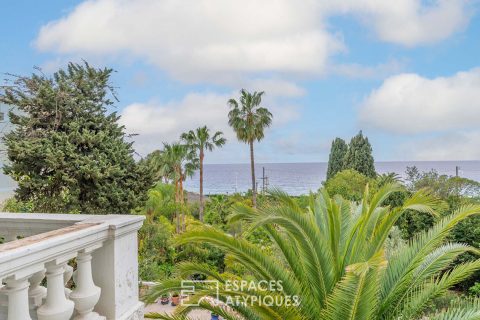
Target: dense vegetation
[(447, 196), (333, 256)]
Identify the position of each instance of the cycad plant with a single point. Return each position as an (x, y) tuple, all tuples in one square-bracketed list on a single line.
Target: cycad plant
[(332, 255)]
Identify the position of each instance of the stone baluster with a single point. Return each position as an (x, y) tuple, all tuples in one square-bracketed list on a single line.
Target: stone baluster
[(56, 306), (36, 292), (17, 292), (3, 301), (86, 294)]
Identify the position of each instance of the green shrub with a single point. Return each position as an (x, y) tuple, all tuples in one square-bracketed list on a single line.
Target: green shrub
[(475, 289), (14, 205), (350, 184)]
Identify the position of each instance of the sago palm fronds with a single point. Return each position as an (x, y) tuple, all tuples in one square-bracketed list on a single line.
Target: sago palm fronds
[(332, 256)]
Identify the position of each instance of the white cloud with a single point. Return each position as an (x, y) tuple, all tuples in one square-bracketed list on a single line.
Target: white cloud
[(408, 22), (221, 40), (197, 38), (274, 87), (156, 122), (409, 103), (450, 146), (379, 71)]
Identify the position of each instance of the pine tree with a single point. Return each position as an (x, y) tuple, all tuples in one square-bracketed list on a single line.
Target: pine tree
[(359, 156), (67, 153), (337, 154)]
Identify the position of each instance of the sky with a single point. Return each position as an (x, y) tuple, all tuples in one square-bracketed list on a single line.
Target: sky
[(405, 72)]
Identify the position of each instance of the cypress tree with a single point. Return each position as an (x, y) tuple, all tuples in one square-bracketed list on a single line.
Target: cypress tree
[(359, 156), (66, 152), (337, 154)]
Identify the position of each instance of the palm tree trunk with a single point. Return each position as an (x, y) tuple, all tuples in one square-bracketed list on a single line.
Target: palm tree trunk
[(177, 214), (182, 202), (200, 214), (254, 187)]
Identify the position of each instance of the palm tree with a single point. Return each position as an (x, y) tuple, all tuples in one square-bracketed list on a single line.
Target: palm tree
[(155, 163), (386, 178), (178, 162), (249, 121), (201, 141), (332, 256)]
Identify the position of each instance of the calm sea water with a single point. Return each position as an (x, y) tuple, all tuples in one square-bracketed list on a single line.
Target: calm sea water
[(294, 178), (301, 178)]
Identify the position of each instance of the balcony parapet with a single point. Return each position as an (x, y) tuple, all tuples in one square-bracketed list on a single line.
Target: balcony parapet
[(39, 246)]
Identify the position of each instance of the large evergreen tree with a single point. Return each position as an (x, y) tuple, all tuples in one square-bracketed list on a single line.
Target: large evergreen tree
[(66, 151), (337, 154), (359, 156)]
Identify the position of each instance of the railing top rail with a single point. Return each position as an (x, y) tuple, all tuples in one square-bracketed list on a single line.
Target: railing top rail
[(43, 236), (43, 216), (83, 232)]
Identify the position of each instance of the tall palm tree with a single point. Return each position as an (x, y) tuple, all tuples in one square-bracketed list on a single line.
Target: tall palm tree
[(249, 120), (155, 161), (178, 163), (201, 141), (332, 256)]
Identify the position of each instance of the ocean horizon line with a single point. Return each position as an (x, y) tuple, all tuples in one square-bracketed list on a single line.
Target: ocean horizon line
[(325, 162)]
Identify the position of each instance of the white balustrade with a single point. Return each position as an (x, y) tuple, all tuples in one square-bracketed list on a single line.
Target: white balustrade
[(106, 275)]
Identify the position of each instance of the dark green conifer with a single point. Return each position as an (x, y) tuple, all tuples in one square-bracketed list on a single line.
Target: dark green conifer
[(67, 152), (335, 160), (359, 156)]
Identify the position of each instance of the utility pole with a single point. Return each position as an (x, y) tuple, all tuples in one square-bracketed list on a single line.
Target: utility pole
[(264, 181), (236, 181)]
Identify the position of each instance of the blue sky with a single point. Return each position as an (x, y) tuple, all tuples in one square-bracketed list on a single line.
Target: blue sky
[(404, 72)]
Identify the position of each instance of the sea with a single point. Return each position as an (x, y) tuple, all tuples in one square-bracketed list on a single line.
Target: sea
[(301, 178), (293, 178)]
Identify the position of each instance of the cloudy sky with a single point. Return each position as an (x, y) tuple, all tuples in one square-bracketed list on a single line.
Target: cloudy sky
[(406, 72)]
